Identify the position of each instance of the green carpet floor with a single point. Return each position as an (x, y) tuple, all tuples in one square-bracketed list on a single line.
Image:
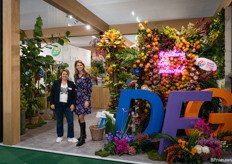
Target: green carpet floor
[(10, 155)]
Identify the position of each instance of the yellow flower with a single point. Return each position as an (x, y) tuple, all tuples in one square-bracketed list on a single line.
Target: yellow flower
[(140, 24), (148, 105), (146, 21), (193, 151), (183, 142), (142, 28), (148, 30), (149, 35), (179, 141)]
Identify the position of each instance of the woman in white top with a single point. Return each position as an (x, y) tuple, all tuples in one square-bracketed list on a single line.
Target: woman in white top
[(62, 99)]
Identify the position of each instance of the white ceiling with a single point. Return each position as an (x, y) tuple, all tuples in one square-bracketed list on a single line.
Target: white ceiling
[(51, 16), (119, 11), (116, 12)]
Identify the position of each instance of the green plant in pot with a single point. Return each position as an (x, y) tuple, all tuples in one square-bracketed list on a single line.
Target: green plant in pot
[(94, 73), (30, 67)]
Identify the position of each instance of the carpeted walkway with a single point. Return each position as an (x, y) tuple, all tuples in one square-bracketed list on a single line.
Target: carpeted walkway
[(11, 155)]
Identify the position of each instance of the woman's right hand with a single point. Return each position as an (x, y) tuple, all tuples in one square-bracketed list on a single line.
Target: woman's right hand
[(53, 106)]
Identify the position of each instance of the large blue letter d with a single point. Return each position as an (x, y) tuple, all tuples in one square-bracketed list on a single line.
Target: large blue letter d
[(157, 111)]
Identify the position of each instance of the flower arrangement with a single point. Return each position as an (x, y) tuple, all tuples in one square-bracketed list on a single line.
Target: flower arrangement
[(112, 44), (117, 143), (168, 60), (202, 126), (199, 147)]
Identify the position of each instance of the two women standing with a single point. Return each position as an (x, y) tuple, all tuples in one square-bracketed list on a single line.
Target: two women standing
[(64, 99)]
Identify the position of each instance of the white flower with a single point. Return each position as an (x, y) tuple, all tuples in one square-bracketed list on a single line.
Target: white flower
[(205, 149), (199, 149)]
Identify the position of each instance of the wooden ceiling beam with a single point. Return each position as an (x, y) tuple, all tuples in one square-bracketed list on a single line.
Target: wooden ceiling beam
[(125, 29), (78, 11), (91, 48), (223, 4), (75, 31), (132, 28)]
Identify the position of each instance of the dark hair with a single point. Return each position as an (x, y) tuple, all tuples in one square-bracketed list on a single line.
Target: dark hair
[(86, 75)]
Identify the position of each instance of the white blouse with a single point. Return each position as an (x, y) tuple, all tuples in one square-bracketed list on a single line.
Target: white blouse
[(64, 93)]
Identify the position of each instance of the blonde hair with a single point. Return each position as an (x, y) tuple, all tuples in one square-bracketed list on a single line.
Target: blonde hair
[(65, 70), (86, 75)]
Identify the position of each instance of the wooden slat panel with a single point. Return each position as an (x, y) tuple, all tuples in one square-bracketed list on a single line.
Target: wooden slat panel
[(100, 97), (11, 72)]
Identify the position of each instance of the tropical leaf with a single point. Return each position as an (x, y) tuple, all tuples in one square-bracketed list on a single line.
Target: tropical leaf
[(111, 123), (165, 136), (224, 134)]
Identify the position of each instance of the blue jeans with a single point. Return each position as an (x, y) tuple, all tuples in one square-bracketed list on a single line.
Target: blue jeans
[(64, 109)]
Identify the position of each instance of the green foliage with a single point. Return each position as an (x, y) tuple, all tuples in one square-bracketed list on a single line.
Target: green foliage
[(165, 136), (110, 148), (193, 137), (111, 124), (224, 134), (38, 27), (155, 156), (33, 126), (31, 64), (94, 72), (214, 48), (23, 102), (209, 106), (99, 64), (102, 153)]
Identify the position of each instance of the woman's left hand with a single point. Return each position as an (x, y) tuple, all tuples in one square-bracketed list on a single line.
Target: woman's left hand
[(86, 104), (72, 108)]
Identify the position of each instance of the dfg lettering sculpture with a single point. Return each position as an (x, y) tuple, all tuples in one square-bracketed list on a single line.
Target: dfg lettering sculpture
[(173, 121)]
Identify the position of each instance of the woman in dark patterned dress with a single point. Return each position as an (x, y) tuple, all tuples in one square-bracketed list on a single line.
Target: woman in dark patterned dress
[(83, 83)]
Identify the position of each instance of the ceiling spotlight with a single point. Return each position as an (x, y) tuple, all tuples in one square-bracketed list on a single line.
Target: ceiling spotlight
[(70, 16), (132, 13), (76, 21), (137, 19), (88, 27)]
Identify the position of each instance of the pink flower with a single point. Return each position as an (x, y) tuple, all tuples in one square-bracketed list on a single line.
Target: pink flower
[(131, 83), (204, 156), (218, 152), (212, 153)]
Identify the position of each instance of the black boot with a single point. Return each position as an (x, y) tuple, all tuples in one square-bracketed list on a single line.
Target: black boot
[(84, 131), (82, 138)]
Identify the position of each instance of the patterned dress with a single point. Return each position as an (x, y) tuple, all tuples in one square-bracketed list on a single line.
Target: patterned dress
[(84, 91)]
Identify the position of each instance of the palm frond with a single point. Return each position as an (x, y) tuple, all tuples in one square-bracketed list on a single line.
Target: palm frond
[(165, 136)]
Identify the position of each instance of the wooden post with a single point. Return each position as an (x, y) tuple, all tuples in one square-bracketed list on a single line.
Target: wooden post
[(11, 71)]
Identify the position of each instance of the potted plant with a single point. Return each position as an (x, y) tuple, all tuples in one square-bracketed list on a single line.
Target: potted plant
[(30, 67), (94, 73)]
